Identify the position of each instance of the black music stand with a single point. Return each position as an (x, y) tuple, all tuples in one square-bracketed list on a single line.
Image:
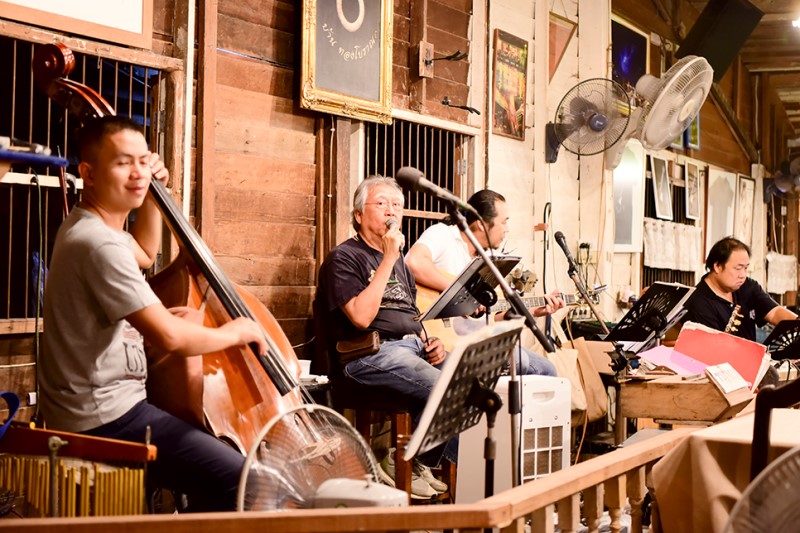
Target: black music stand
[(465, 390), (783, 344), (473, 287), (659, 308), (784, 341)]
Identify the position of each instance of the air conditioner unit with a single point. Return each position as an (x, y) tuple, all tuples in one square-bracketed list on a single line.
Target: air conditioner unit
[(544, 441)]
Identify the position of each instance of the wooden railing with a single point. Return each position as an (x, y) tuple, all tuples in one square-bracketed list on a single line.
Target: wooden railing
[(606, 480)]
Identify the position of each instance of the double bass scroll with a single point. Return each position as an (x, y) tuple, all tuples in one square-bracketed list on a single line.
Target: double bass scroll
[(232, 393)]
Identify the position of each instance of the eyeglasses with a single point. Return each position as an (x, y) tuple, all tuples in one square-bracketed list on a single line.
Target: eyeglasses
[(383, 204)]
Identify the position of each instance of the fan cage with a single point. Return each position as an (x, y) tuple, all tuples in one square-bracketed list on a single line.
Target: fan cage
[(295, 452), (586, 100), (682, 93)]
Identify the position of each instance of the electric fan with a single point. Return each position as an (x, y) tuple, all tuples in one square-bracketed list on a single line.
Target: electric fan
[(311, 457), (785, 183), (591, 117), (667, 105), (770, 501)]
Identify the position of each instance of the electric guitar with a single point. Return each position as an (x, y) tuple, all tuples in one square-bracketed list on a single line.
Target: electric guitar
[(449, 329)]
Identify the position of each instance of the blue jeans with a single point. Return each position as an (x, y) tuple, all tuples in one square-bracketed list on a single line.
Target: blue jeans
[(401, 366), (533, 363)]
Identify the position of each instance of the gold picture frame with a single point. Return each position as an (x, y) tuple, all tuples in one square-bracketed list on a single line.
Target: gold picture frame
[(128, 22), (347, 58), (510, 76)]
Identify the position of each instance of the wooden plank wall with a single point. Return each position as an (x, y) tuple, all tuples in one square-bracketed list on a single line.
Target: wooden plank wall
[(264, 162), (444, 24)]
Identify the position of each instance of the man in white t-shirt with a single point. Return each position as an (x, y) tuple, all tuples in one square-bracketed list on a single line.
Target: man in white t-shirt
[(442, 252)]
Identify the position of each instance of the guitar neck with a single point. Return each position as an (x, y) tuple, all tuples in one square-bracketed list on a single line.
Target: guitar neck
[(534, 301)]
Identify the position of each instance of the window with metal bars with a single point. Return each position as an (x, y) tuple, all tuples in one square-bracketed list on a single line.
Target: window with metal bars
[(651, 275), (31, 200), (440, 154)]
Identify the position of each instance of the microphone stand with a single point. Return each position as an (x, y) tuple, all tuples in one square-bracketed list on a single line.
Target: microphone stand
[(576, 279), (514, 407), (619, 361)]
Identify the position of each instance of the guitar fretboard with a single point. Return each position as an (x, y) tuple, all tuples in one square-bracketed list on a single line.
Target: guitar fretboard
[(534, 301)]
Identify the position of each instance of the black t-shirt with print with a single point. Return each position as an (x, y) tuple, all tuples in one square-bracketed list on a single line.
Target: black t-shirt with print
[(706, 307), (346, 272)]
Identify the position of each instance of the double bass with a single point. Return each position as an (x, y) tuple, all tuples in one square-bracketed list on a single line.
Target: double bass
[(231, 393)]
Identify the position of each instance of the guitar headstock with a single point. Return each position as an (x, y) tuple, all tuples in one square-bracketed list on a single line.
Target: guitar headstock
[(594, 295)]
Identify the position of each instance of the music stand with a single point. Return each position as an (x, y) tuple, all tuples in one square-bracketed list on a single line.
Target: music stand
[(465, 390), (659, 308), (784, 341), (473, 287)]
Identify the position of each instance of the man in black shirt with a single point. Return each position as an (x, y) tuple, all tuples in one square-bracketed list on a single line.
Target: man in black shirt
[(727, 286), (365, 285)]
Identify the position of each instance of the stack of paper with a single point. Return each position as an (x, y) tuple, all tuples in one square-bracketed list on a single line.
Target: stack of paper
[(748, 358)]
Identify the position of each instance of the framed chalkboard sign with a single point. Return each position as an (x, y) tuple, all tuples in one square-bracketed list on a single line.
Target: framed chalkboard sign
[(347, 58)]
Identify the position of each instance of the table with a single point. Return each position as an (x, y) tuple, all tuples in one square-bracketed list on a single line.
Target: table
[(697, 484), (673, 400)]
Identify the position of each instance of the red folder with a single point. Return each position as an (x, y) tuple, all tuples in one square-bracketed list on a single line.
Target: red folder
[(713, 347)]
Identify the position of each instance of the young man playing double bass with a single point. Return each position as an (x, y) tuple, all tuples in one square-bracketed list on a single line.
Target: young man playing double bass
[(98, 307)]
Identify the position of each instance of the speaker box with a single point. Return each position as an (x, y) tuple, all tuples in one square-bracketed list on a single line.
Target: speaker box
[(544, 440), (720, 32)]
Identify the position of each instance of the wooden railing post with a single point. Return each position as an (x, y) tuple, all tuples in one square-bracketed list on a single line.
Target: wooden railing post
[(615, 501), (593, 507), (636, 493), (569, 514), (542, 520)]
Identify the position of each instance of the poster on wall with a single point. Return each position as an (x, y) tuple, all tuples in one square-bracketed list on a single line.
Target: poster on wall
[(692, 191), (510, 84), (561, 32), (630, 52), (745, 204), (721, 199), (629, 198), (125, 22), (662, 192)]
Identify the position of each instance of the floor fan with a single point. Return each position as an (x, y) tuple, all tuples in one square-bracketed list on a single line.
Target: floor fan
[(591, 117), (311, 457), (665, 106), (770, 501)]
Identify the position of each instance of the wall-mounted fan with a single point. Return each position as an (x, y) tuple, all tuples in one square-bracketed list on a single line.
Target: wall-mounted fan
[(665, 106), (311, 457), (591, 117), (785, 183)]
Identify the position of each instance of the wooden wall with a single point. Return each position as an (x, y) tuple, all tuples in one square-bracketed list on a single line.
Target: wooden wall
[(263, 172), (446, 25)]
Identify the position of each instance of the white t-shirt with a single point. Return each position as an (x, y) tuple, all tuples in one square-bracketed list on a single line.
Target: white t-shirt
[(448, 250), (93, 368)]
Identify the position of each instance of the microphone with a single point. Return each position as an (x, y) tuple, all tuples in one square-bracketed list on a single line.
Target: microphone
[(391, 223), (411, 178), (562, 241)]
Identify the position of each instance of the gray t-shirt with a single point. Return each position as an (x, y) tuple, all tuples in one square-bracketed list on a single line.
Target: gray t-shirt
[(93, 368)]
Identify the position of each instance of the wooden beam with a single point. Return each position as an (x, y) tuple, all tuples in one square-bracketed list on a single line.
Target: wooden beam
[(143, 58), (206, 119), (742, 137), (418, 86)]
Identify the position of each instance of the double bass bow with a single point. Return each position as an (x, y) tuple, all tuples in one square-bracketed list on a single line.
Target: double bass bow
[(232, 393)]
